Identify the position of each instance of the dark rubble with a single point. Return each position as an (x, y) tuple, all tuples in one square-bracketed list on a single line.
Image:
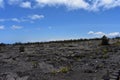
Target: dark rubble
[(81, 60)]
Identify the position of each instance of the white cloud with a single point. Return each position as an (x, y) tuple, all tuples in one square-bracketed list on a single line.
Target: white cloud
[(13, 2), (96, 33), (12, 19), (90, 32), (20, 3), (100, 34), (30, 19), (2, 20), (15, 19), (49, 27), (1, 3), (104, 4), (110, 3), (90, 5), (68, 3), (2, 27), (81, 4), (114, 34), (25, 4), (14, 27), (36, 16)]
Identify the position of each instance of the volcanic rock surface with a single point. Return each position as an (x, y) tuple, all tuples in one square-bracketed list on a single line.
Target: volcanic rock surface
[(81, 60)]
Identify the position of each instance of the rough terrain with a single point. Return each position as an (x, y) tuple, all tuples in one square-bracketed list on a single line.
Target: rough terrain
[(81, 60)]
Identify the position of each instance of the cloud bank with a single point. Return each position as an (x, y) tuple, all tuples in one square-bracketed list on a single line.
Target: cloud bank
[(26, 4), (81, 4), (36, 17), (91, 5), (2, 27), (29, 18), (14, 27), (100, 34), (1, 3)]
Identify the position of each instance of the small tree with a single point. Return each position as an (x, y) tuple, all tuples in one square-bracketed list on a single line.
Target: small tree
[(2, 44), (21, 49), (105, 40)]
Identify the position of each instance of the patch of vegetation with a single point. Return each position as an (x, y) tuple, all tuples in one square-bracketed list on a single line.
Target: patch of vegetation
[(54, 72), (18, 43), (105, 51), (61, 70), (105, 40), (104, 56), (78, 59), (64, 69), (117, 37), (99, 66), (2, 44), (117, 43), (92, 57), (21, 49), (89, 71), (35, 64)]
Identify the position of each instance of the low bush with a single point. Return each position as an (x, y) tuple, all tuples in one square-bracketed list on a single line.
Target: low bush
[(64, 70), (105, 40), (21, 49)]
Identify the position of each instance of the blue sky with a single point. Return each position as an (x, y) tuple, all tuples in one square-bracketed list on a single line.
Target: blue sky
[(46, 20)]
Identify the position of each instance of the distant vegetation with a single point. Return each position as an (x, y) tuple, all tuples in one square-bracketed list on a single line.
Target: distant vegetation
[(59, 41), (21, 49), (105, 40), (2, 44)]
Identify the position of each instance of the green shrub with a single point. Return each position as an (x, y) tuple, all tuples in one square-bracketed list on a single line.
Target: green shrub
[(117, 43), (64, 70), (61, 70), (21, 49), (105, 51), (0, 49), (2, 44), (105, 40), (105, 56), (35, 64)]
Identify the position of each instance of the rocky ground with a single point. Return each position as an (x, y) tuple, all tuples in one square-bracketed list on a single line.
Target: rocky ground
[(81, 60)]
